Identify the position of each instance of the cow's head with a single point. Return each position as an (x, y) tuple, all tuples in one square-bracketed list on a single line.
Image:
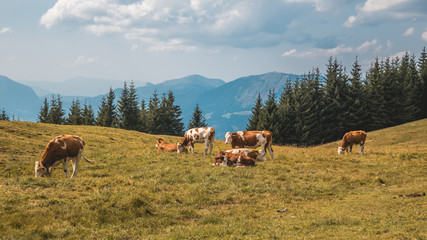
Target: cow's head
[(180, 148), (341, 150), (228, 137), (40, 170)]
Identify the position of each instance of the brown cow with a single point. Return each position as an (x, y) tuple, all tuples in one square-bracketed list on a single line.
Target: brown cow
[(59, 150), (165, 146), (255, 154), (197, 135), (233, 159), (255, 139), (350, 138)]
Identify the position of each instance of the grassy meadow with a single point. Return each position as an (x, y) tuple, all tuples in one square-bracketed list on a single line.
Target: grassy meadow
[(135, 192)]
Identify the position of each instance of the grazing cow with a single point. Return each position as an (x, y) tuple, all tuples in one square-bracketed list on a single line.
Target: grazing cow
[(166, 147), (233, 159), (197, 135), (350, 138), (59, 150), (243, 139)]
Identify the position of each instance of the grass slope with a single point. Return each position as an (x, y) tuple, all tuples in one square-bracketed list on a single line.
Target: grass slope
[(135, 192)]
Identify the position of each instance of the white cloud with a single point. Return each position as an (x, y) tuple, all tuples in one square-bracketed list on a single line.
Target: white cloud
[(243, 113), (83, 60), (399, 55), (4, 30), (321, 5), (289, 53), (134, 47), (201, 23), (424, 36), (409, 32), (373, 11), (366, 45)]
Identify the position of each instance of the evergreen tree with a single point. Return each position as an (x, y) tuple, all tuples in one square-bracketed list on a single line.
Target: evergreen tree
[(107, 111), (336, 100), (287, 116), (43, 116), (3, 115), (254, 118), (197, 119), (388, 82), (56, 113), (311, 106), (357, 109), (143, 117), (422, 70), (128, 111), (171, 115), (268, 117), (88, 115), (153, 114), (75, 115), (411, 92)]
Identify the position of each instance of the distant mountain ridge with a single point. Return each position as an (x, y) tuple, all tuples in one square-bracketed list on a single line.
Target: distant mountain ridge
[(227, 106)]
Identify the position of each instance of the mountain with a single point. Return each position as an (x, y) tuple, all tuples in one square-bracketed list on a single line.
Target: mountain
[(18, 100), (80, 86), (229, 106)]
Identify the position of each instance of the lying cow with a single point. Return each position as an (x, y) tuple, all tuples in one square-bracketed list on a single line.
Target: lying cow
[(197, 135), (59, 150), (350, 138), (233, 159), (162, 145), (255, 154), (254, 139)]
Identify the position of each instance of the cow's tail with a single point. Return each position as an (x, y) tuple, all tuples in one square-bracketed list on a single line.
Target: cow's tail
[(270, 146), (88, 160)]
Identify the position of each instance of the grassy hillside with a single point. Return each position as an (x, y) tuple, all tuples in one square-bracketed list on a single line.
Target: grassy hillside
[(134, 192)]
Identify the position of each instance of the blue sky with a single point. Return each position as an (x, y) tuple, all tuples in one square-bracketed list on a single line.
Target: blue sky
[(157, 40)]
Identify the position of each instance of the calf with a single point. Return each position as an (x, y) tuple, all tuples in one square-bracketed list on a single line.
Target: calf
[(59, 150), (197, 135), (254, 139), (232, 159), (258, 155), (350, 138), (166, 147)]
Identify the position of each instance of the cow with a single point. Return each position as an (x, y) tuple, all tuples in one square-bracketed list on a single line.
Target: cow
[(59, 150), (255, 154), (197, 135), (350, 138), (165, 146), (233, 159), (254, 139)]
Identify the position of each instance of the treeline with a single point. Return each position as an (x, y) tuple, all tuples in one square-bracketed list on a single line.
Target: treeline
[(160, 116), (321, 108)]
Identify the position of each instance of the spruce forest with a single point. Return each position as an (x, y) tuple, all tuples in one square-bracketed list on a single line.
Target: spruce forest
[(315, 109)]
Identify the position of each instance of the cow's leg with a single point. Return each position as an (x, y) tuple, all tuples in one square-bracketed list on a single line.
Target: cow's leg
[(210, 147), (75, 164), (191, 148), (206, 147), (351, 147), (270, 150), (361, 148), (64, 166)]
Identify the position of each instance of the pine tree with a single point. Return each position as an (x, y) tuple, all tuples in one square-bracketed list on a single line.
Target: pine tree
[(287, 116), (422, 70), (88, 115), (173, 116), (4, 116), (43, 116), (197, 119), (357, 109), (311, 106), (143, 117), (411, 91), (56, 113), (75, 115), (107, 111), (336, 100), (128, 111), (153, 114), (390, 89), (268, 118), (254, 118)]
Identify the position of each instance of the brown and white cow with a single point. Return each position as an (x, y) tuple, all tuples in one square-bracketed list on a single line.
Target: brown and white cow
[(162, 145), (255, 154), (233, 159), (254, 139), (350, 138), (197, 135), (59, 150)]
